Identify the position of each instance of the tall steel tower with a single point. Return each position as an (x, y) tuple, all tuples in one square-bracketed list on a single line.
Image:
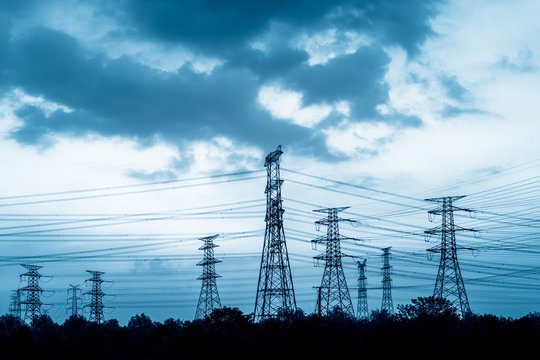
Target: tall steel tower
[(387, 304), (449, 283), (74, 299), (96, 297), (32, 293), (275, 291), (333, 293), (209, 297), (15, 303), (362, 309)]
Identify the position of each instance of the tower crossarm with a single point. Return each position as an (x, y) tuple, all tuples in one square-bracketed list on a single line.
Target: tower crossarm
[(446, 198), (205, 262), (439, 229), (438, 248)]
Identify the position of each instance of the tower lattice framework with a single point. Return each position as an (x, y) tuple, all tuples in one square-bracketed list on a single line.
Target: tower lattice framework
[(362, 308), (209, 296), (31, 293), (333, 293), (15, 303), (387, 303), (275, 291), (74, 299), (449, 283), (96, 297)]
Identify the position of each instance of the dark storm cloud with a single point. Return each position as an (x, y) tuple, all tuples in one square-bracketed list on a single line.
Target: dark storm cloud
[(273, 63), (218, 26), (17, 7), (215, 25), (4, 36), (35, 127), (125, 98), (121, 97), (356, 77)]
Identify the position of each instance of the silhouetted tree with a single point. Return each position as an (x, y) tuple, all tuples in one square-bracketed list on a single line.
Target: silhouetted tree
[(288, 316), (14, 334), (338, 313), (427, 307), (9, 324), (142, 322), (381, 316), (228, 315)]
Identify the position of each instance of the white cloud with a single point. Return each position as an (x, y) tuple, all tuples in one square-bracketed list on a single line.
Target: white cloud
[(491, 50), (326, 45), (474, 36), (221, 154), (354, 138), (284, 104), (79, 163)]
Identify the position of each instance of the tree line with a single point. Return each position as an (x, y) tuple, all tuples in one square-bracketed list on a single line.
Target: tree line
[(427, 328)]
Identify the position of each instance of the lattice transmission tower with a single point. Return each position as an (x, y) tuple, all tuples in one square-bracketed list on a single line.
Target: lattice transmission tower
[(96, 297), (275, 291), (209, 297), (333, 293), (31, 293), (362, 308), (449, 283), (74, 299), (15, 303), (387, 304)]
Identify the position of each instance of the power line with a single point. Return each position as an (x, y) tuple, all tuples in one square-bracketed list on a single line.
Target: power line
[(116, 187)]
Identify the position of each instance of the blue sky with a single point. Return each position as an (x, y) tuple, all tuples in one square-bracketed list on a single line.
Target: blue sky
[(419, 98)]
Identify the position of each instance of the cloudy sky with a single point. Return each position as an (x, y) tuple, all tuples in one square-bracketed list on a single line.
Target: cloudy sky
[(417, 98)]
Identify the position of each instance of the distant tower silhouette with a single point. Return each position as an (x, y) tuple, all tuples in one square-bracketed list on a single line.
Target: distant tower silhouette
[(74, 299), (333, 292), (32, 293), (209, 297), (15, 303), (387, 304), (275, 291), (96, 297), (449, 283), (362, 309)]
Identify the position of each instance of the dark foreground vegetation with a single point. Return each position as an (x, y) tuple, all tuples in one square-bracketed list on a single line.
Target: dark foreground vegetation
[(425, 329)]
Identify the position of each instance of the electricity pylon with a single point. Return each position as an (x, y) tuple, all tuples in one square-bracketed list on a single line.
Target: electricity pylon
[(275, 291), (96, 297), (333, 293), (362, 308), (15, 303), (449, 283), (387, 304), (32, 293), (74, 299), (209, 297)]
